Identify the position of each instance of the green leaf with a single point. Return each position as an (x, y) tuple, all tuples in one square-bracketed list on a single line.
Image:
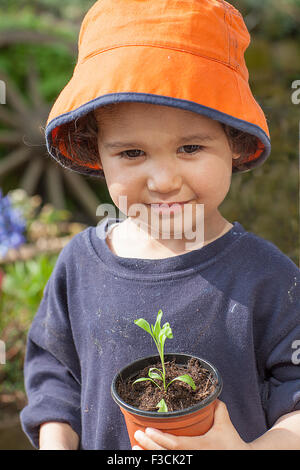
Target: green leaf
[(157, 327), (154, 375), (162, 406), (143, 324), (162, 338), (165, 333), (154, 368), (143, 379), (167, 330), (185, 378)]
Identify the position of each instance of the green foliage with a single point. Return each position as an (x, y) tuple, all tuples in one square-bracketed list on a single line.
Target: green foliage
[(24, 281), (23, 287), (72, 9), (159, 335), (22, 292), (265, 200), (14, 61), (46, 218), (27, 20), (270, 19)]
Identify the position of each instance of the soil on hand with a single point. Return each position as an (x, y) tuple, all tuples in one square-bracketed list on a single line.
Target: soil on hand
[(179, 395)]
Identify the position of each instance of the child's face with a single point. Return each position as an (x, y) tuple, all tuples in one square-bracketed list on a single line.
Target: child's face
[(163, 163)]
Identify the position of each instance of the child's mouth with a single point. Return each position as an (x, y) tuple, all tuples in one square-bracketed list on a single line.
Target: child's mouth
[(167, 207)]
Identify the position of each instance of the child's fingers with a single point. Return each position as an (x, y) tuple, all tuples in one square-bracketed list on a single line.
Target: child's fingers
[(167, 441), (171, 442), (146, 441)]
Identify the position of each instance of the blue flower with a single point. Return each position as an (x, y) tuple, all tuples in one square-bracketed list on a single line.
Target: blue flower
[(12, 226)]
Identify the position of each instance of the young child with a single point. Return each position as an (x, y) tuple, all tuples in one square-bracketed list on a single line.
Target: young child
[(159, 105)]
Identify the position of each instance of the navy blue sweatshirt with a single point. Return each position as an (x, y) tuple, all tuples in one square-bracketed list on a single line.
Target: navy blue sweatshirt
[(234, 302)]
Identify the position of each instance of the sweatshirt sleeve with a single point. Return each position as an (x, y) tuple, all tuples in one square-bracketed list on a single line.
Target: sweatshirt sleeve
[(280, 345), (51, 368)]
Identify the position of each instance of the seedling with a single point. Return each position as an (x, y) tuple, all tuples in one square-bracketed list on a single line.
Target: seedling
[(159, 335)]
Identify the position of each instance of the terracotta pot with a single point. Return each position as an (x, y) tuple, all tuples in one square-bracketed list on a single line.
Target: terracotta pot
[(193, 421)]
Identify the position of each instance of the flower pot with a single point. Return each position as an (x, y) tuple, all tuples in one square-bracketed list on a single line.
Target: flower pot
[(193, 421)]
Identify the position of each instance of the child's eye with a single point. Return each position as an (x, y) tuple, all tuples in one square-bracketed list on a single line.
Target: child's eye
[(125, 154), (132, 154), (192, 147)]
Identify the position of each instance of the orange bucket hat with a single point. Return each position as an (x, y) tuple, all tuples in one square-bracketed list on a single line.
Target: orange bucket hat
[(185, 54)]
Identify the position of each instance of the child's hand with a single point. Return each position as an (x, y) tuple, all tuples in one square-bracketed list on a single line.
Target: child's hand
[(221, 436)]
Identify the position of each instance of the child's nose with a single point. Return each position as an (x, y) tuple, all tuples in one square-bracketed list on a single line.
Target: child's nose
[(164, 181)]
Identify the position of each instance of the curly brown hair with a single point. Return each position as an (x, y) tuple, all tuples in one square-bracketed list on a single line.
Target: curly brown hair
[(80, 138)]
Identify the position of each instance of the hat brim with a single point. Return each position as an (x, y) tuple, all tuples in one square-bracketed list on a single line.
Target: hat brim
[(162, 76)]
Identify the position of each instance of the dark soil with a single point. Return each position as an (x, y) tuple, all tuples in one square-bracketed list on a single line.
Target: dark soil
[(179, 395)]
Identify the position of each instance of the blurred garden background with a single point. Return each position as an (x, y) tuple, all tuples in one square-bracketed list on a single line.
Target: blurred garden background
[(42, 206)]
